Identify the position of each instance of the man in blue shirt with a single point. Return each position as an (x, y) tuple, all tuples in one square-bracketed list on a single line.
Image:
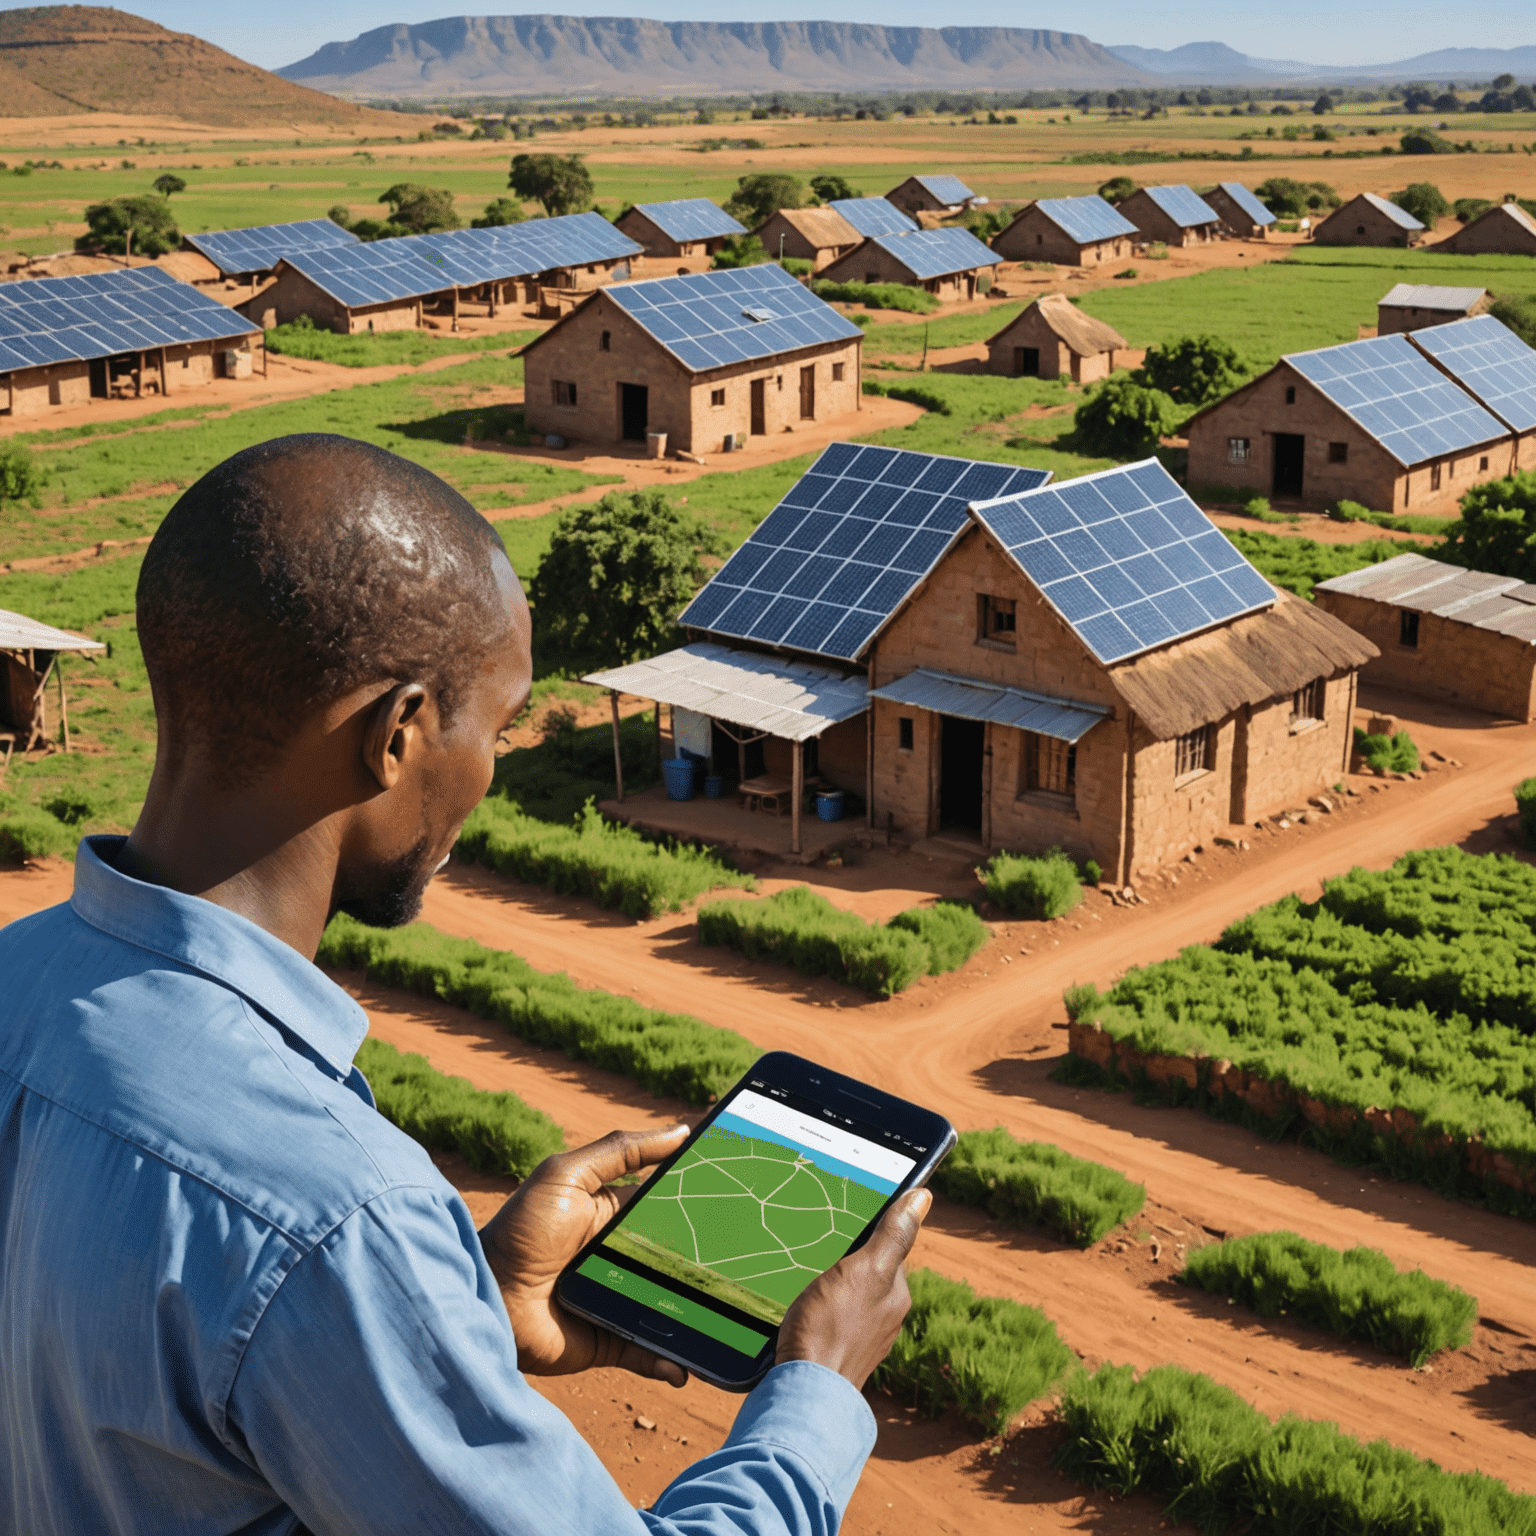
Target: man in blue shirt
[(233, 1298)]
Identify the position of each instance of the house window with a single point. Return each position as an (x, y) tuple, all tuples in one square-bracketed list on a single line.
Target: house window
[(607, 338), (1239, 449), (1039, 239), (1408, 629), (717, 397), (996, 618), (1482, 463), (1193, 753), (871, 277), (1434, 477), (1307, 704), (1290, 394), (1338, 453), (1050, 766), (1359, 229), (904, 733), (837, 372), (564, 393)]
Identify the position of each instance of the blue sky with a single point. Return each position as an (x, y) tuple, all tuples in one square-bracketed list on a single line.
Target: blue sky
[(1316, 31)]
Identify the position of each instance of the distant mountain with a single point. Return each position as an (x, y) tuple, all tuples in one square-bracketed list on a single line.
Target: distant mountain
[(569, 55), (1199, 63), (1217, 64)]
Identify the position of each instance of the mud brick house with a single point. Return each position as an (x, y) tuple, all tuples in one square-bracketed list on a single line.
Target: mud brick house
[(1071, 231), (689, 226), (1505, 229), (943, 196), (873, 216), (709, 359), (816, 235), (1053, 337), (1173, 215), (251, 255), (31, 653), (1370, 421), (948, 263), (1496, 368), (1411, 306), (1241, 213), (1368, 220), (70, 340), (1088, 664), (1443, 632)]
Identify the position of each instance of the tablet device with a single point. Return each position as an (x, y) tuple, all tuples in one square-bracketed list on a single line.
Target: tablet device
[(786, 1174)]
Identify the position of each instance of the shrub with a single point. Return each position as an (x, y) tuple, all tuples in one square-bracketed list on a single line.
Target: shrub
[(611, 863), (1468, 208), (951, 930), (1525, 804), (1117, 189), (1289, 198), (19, 476), (798, 266), (740, 251), (500, 211), (1093, 872), (914, 394), (28, 832), (1032, 1181), (1424, 141), (669, 1053), (1497, 531), (985, 1356), (1024, 886), (1192, 370), (1388, 754), (492, 1132), (1122, 419), (914, 301), (1518, 312), (1357, 1293), (1424, 200)]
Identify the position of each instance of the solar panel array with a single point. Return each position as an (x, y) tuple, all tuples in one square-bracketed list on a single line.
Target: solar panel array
[(1390, 391), (948, 189), (691, 218), (830, 565), (1126, 558), (1086, 219), (1247, 202), (258, 249), (710, 319), (873, 215), (71, 319), (1490, 362), (1183, 205), (929, 253), (1399, 216)]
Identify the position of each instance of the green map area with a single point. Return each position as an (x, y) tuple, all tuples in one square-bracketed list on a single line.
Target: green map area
[(749, 1222)]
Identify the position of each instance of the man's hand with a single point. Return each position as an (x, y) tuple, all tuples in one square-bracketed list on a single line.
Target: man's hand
[(848, 1318), (559, 1207)]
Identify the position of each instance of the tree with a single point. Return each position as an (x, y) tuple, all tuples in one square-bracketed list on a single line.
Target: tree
[(1518, 312), (833, 188), (616, 577), (1424, 141), (757, 198), (139, 226), (741, 251), (1288, 198), (1324, 103), (340, 215), (1424, 200), (1447, 101), (1192, 370), (502, 211), (168, 184), (1122, 419), (1497, 531), (562, 183), (419, 210), (1503, 82), (1117, 189)]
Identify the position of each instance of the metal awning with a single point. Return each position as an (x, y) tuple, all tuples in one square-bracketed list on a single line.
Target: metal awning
[(789, 699), (946, 694), (19, 633)]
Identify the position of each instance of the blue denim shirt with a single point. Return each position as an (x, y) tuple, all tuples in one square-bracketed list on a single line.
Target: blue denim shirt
[(234, 1298)]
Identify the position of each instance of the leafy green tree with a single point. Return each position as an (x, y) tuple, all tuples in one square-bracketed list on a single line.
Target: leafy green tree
[(419, 210), (1117, 189), (757, 198), (831, 188), (502, 211), (616, 577), (1424, 141), (1468, 208), (340, 215), (168, 184), (562, 183), (1324, 103), (1288, 198), (138, 226), (1518, 312), (1192, 370), (1497, 531), (1503, 82), (741, 251), (1122, 419), (1424, 200)]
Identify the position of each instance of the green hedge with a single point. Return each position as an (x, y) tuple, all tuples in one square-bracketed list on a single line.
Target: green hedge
[(1032, 1181), (985, 1356), (1387, 754), (1222, 1465), (1525, 804), (915, 301), (494, 1132), (669, 1053), (951, 930), (611, 863), (1045, 886)]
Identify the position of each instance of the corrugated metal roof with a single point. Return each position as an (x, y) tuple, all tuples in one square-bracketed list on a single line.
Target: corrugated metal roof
[(1430, 296), (1183, 205), (1503, 604), (1399, 216), (946, 694), (19, 633), (1247, 202), (790, 699), (1509, 211), (930, 253)]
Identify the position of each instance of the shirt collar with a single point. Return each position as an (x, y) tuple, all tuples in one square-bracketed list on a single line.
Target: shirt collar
[(221, 945)]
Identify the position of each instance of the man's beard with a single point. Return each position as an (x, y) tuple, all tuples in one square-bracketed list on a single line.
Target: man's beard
[(395, 891)]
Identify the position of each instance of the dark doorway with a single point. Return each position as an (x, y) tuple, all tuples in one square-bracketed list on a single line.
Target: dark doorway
[(1290, 458), (759, 407), (634, 411), (960, 749), (1026, 362), (98, 378), (808, 393)]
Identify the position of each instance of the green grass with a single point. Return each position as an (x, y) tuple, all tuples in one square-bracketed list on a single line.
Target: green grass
[(1040, 886), (385, 348), (1298, 564), (893, 340), (951, 930)]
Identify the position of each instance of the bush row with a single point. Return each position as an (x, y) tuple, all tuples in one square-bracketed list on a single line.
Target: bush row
[(669, 1053), (1032, 1181), (611, 863), (1222, 1465), (493, 1132), (1357, 1293), (1525, 804), (985, 1356), (877, 296), (1043, 886)]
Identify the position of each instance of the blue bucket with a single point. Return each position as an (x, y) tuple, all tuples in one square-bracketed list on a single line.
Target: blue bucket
[(678, 773), (713, 784), (829, 804)]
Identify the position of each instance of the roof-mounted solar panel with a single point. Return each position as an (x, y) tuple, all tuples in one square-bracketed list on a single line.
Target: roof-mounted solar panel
[(1249, 203), (1490, 362), (947, 189), (1086, 219), (873, 215), (933, 253), (691, 218), (1183, 205)]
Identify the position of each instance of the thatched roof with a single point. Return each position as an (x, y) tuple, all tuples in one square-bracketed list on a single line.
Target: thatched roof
[(821, 227), (1254, 659), (1082, 333)]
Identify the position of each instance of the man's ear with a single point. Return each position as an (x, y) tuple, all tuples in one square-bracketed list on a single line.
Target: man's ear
[(393, 730)]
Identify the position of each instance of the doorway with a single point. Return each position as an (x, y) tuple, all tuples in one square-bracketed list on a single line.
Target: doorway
[(634, 412), (1290, 460), (808, 393), (98, 378), (1026, 362), (759, 407), (961, 743)]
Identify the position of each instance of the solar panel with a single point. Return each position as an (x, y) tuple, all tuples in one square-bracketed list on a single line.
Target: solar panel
[(844, 549), (100, 314), (706, 320), (1399, 216), (947, 189), (237, 252), (1490, 362), (691, 218), (873, 215), (1390, 391), (1182, 205), (1126, 558), (1085, 219), (1247, 202), (929, 253)]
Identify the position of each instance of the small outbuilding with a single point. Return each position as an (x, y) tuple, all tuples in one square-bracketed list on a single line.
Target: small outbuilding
[(31, 653), (688, 226), (943, 196), (1411, 306), (1368, 219), (1506, 229), (1241, 212), (817, 235), (1173, 215), (1442, 631), (1072, 231), (1052, 338), (952, 264)]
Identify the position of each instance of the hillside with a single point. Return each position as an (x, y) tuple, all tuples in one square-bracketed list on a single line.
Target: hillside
[(1217, 64), (520, 55), (63, 59)]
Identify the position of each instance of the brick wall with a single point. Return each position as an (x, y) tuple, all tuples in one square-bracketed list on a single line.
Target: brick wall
[(1360, 223), (35, 390), (1154, 224), (797, 245), (1281, 764), (912, 197), (870, 263), (1233, 217), (1492, 234), (293, 295), (1056, 357), (643, 232), (1394, 319), (1034, 237)]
